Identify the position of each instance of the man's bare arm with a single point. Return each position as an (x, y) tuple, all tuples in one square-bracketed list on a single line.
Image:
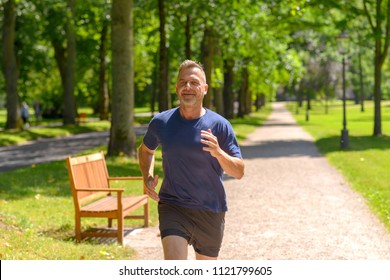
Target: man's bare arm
[(232, 166), (146, 164)]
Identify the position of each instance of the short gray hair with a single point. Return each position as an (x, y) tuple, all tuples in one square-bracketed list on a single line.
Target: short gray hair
[(191, 64)]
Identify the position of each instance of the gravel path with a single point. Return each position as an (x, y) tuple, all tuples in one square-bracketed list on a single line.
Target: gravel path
[(290, 205)]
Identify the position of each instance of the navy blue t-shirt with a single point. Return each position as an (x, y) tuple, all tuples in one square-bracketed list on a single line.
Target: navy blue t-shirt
[(192, 177)]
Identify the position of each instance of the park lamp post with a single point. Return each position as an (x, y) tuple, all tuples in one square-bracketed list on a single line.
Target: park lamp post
[(342, 43)]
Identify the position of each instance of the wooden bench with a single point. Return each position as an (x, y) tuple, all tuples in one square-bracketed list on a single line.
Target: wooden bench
[(94, 198), (81, 118)]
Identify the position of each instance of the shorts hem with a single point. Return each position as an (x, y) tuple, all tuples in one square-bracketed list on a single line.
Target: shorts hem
[(176, 232)]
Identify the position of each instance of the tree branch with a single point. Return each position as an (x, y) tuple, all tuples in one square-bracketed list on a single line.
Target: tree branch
[(368, 16)]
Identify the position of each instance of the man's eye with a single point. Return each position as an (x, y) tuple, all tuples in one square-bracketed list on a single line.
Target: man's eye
[(190, 83)]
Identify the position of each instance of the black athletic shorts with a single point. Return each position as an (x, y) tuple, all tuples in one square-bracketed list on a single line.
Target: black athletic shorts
[(202, 229)]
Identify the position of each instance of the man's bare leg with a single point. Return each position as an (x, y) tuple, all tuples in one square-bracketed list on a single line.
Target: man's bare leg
[(175, 247)]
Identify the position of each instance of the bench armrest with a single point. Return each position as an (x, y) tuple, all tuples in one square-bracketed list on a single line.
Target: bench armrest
[(133, 178), (126, 178), (100, 190)]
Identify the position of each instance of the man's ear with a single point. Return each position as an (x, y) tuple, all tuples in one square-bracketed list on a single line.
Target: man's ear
[(206, 87)]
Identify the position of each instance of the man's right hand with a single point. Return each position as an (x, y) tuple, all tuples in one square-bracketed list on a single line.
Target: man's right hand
[(150, 187)]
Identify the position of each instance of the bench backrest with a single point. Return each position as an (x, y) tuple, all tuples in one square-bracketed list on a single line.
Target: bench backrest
[(86, 172)]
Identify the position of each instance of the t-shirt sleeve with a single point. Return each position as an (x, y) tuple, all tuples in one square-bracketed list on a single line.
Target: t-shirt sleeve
[(229, 142), (151, 139)]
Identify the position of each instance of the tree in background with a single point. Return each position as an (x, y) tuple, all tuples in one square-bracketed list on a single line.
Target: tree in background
[(163, 78), (103, 72), (10, 67), (378, 16), (61, 31), (69, 109), (122, 135)]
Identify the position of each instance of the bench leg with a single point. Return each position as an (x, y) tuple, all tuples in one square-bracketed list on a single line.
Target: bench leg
[(109, 223), (120, 229), (78, 228), (146, 215)]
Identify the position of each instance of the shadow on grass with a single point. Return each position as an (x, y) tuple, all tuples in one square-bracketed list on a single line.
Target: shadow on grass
[(99, 240), (356, 143), (62, 233), (66, 233), (48, 179)]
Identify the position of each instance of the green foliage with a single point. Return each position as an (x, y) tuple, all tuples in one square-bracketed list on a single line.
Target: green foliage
[(146, 45), (287, 46)]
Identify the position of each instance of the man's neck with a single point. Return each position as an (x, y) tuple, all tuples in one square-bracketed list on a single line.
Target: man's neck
[(191, 113)]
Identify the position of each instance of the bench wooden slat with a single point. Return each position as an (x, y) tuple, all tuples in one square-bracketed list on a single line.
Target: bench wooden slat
[(110, 203), (93, 197)]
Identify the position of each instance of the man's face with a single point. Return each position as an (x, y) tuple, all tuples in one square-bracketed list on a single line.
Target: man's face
[(191, 87)]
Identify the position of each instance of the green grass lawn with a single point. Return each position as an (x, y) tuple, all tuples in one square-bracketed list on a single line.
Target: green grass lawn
[(36, 206), (366, 162)]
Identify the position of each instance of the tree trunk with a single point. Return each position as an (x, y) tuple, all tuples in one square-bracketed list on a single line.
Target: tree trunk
[(165, 100), (10, 68), (260, 101), (59, 55), (155, 89), (361, 81), (103, 86), (122, 135), (377, 91), (188, 37), (326, 100), (308, 108), (228, 94), (218, 90), (69, 109), (243, 93), (207, 49), (380, 55), (248, 96)]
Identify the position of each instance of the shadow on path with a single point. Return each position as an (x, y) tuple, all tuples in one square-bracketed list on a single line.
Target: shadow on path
[(282, 148)]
